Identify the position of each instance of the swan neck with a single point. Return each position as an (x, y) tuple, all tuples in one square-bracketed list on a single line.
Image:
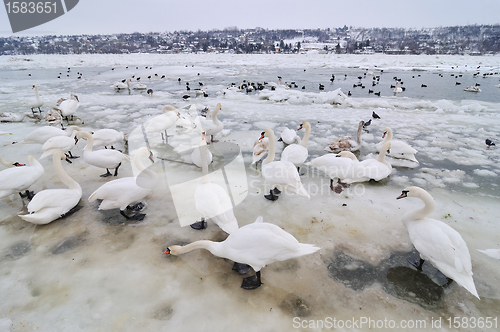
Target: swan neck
[(306, 135), (5, 163), (388, 136), (358, 134), (202, 244), (421, 213), (271, 149), (61, 173), (36, 93), (214, 115), (204, 162)]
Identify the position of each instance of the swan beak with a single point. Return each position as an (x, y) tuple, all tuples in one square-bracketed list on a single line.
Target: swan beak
[(262, 135), (76, 140), (69, 161), (18, 164), (33, 87), (167, 251), (383, 136), (76, 97), (151, 157), (403, 194)]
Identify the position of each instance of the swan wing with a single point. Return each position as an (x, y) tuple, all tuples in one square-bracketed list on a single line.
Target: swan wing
[(295, 153), (119, 193)]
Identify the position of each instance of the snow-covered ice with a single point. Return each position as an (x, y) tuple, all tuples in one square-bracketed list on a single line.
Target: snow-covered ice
[(94, 270)]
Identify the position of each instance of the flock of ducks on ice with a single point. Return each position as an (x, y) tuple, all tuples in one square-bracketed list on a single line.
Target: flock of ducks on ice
[(254, 245)]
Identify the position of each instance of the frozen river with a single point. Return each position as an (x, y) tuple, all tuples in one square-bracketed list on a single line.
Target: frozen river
[(96, 271)]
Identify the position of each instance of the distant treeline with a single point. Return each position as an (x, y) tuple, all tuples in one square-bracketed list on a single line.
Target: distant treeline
[(471, 39)]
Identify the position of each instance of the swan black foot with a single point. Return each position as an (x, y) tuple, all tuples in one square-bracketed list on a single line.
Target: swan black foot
[(199, 224), (271, 196), (73, 210), (136, 207), (251, 282), (116, 169), (276, 191), (135, 217), (241, 268), (27, 194), (69, 155), (108, 173), (417, 263), (298, 171)]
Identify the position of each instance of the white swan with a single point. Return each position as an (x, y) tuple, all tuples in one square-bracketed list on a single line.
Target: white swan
[(260, 147), (437, 242), (14, 117), (122, 85), (212, 126), (257, 244), (211, 200), (102, 158), (17, 179), (53, 117), (281, 173), (344, 167), (36, 103), (297, 153), (51, 204), (397, 89), (121, 193), (378, 169), (69, 106), (164, 121), (289, 136), (196, 154), (108, 137), (56, 143), (399, 149), (42, 134), (139, 86), (346, 143)]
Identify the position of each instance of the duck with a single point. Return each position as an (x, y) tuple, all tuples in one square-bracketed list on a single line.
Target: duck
[(260, 147), (69, 106), (346, 143), (344, 167), (121, 193), (437, 242), (18, 179), (42, 134), (399, 149), (102, 158), (212, 126), (164, 121), (36, 103), (211, 200), (257, 244), (378, 169), (298, 153), (289, 136), (51, 204), (14, 117), (489, 143), (196, 154), (281, 173), (108, 137), (56, 143)]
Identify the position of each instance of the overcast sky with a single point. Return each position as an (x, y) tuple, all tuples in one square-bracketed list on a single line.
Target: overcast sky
[(125, 16)]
